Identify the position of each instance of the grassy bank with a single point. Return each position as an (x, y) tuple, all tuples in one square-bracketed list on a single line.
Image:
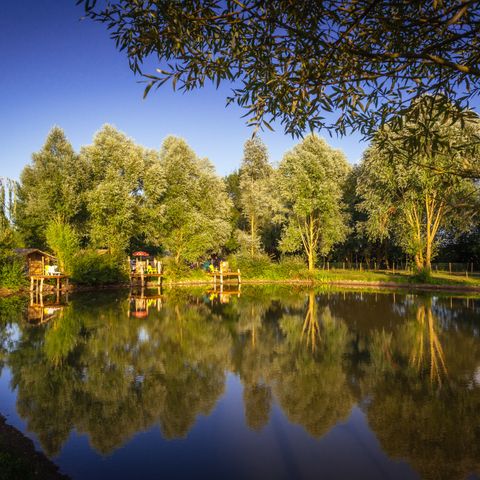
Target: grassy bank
[(278, 273), (281, 273)]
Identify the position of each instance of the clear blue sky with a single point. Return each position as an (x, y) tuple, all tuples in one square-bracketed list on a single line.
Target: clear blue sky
[(59, 70)]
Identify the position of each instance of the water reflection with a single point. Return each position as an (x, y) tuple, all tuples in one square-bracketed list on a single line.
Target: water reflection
[(113, 365)]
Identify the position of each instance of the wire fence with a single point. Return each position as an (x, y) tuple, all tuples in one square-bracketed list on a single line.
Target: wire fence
[(468, 268)]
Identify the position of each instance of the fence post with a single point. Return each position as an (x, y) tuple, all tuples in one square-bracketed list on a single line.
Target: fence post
[(449, 267)]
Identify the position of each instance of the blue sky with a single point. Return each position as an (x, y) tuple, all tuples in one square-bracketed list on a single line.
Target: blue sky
[(59, 70)]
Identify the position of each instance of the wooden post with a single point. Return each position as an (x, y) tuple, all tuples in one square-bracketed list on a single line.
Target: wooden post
[(449, 267), (58, 284), (41, 285), (221, 278), (239, 277), (31, 284)]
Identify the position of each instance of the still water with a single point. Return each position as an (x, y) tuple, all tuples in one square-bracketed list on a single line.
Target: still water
[(270, 383)]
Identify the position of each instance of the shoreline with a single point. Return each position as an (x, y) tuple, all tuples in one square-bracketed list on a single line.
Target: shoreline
[(346, 283), (21, 459)]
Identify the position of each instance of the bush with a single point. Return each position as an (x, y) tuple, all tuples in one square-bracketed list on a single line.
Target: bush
[(262, 267), (12, 273), (293, 267), (423, 275), (182, 271), (257, 266), (174, 269), (92, 268)]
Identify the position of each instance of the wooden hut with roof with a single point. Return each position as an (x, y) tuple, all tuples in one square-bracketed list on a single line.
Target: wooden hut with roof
[(35, 260), (41, 266)]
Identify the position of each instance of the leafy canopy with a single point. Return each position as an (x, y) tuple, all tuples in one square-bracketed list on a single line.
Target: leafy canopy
[(196, 206), (310, 181), (296, 62), (414, 196)]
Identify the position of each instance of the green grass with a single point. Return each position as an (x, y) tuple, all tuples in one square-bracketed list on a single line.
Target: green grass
[(279, 272)]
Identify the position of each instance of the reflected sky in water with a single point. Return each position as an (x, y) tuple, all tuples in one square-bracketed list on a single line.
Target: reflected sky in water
[(267, 383)]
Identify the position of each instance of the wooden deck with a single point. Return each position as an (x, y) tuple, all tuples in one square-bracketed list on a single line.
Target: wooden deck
[(226, 277), (142, 278), (37, 282)]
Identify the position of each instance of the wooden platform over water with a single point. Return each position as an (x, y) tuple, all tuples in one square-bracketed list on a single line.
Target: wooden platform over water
[(143, 278), (37, 282), (222, 277)]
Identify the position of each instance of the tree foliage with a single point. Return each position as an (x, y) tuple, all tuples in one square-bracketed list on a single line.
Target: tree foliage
[(115, 197), (296, 62), (311, 179), (256, 193), (54, 184), (196, 206), (416, 197), (63, 241)]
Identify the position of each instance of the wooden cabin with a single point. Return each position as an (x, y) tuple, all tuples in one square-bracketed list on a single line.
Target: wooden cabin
[(35, 260)]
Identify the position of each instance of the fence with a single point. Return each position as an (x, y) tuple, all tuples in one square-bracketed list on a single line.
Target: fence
[(468, 268)]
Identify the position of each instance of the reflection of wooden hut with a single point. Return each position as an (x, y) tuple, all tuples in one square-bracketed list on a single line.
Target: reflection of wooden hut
[(43, 309), (35, 260)]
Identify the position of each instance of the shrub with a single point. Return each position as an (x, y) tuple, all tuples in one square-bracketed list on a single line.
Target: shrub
[(423, 275), (12, 272), (258, 266), (293, 267), (92, 268), (174, 269)]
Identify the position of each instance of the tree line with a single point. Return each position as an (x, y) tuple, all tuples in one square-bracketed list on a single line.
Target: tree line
[(401, 201)]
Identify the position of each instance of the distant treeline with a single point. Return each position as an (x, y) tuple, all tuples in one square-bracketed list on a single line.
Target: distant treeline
[(406, 200)]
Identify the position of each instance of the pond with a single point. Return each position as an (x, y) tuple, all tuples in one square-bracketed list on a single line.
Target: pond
[(268, 383)]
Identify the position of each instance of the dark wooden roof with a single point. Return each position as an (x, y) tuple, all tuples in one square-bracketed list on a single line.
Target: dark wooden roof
[(25, 252)]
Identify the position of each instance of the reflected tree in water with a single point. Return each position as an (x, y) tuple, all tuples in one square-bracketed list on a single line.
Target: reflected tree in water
[(253, 342), (427, 348), (415, 414), (120, 376), (311, 384)]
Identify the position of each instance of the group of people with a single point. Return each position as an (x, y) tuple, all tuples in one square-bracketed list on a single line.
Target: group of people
[(213, 264)]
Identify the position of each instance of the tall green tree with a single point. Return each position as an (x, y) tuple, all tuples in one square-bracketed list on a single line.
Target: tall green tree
[(116, 197), (63, 240), (196, 208), (53, 184), (8, 236), (310, 181), (415, 197), (256, 193)]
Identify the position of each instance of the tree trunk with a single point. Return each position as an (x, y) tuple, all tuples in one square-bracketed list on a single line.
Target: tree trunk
[(311, 260), (252, 235)]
